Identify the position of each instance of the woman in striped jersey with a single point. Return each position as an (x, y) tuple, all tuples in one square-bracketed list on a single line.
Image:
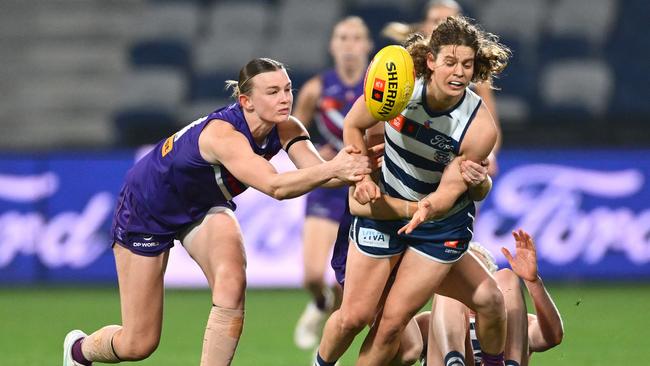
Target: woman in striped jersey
[(443, 124), (435, 12)]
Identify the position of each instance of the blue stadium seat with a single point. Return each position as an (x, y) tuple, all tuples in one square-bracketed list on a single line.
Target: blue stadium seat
[(161, 52), (626, 52), (376, 17), (520, 76), (136, 126), (210, 85), (556, 47)]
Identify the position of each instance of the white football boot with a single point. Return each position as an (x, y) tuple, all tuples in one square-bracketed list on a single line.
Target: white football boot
[(70, 338), (310, 325)]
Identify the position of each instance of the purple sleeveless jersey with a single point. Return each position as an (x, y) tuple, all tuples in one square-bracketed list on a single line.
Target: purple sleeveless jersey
[(335, 102), (173, 186)]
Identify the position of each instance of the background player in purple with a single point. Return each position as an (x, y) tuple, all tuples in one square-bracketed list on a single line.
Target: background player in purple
[(183, 190), (325, 99)]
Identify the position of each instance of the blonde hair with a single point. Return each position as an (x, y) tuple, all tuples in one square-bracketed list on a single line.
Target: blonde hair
[(251, 69), (484, 256), (491, 56)]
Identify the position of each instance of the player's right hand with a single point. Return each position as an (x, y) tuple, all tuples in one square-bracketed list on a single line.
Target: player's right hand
[(350, 165)]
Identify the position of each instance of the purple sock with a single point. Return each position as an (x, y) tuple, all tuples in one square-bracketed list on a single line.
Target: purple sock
[(77, 355), (491, 360)]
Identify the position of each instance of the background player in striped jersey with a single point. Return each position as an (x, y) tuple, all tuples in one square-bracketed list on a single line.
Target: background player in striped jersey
[(444, 123), (325, 99), (436, 11), (183, 189), (450, 332)]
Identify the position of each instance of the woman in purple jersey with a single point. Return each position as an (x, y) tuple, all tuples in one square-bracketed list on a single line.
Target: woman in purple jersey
[(324, 100), (183, 190)]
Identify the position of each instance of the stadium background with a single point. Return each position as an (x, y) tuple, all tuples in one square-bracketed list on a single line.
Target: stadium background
[(86, 84)]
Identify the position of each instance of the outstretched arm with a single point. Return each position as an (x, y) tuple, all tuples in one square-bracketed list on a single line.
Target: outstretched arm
[(545, 330), (221, 143)]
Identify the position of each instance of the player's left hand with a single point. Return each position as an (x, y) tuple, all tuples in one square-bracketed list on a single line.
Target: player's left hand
[(376, 155), (524, 263), (492, 165), (474, 174), (421, 215)]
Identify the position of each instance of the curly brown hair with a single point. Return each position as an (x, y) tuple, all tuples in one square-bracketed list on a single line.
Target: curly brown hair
[(491, 56)]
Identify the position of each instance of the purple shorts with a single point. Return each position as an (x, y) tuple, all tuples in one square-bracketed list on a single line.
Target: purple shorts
[(327, 203), (129, 229), (340, 253)]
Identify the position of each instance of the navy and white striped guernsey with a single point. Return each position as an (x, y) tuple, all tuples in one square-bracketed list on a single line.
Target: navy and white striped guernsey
[(420, 143), (476, 346)]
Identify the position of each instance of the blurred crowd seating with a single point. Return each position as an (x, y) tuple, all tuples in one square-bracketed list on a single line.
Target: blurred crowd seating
[(124, 72)]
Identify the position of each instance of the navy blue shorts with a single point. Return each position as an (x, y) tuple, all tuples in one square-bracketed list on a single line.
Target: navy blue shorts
[(443, 240), (327, 203)]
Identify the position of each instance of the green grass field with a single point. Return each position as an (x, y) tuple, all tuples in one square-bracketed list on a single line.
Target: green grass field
[(604, 325)]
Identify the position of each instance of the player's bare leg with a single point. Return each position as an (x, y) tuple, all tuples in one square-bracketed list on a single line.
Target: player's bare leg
[(516, 351), (318, 236), (447, 329), (217, 246), (365, 279), (416, 280), (140, 281), (470, 283), (410, 345)]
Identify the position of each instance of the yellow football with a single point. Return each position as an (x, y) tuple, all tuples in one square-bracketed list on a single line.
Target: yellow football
[(389, 82)]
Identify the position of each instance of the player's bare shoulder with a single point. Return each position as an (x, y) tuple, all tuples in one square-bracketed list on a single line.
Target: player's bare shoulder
[(291, 129), (214, 137), (481, 136)]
